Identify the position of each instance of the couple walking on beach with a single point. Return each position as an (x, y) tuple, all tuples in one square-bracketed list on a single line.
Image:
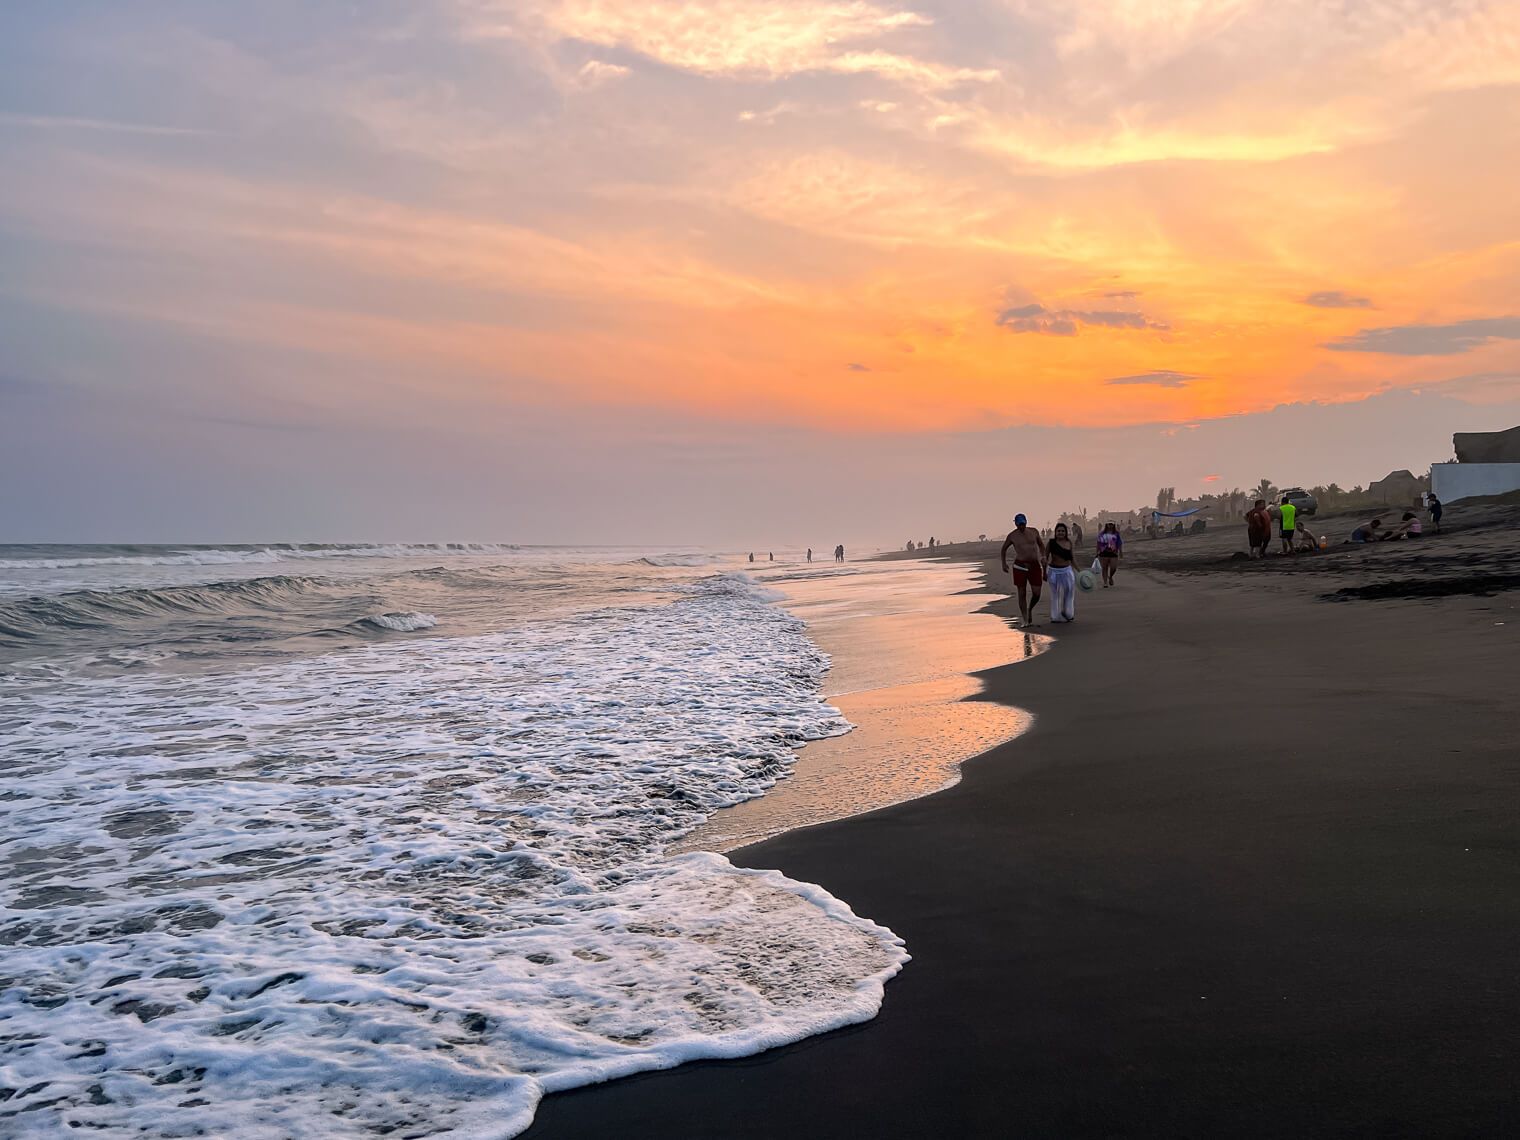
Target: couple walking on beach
[(1035, 561)]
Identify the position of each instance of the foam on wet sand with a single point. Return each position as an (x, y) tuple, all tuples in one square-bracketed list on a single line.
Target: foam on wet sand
[(410, 886)]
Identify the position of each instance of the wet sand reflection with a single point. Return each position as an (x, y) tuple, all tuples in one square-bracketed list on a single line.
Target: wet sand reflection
[(903, 638)]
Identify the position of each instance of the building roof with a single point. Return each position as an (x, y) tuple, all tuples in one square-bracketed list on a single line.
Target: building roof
[(1487, 446)]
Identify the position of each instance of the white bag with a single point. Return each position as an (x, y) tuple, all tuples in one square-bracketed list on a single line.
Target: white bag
[(1097, 566)]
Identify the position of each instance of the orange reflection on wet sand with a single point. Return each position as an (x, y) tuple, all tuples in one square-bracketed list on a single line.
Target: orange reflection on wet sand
[(903, 637)]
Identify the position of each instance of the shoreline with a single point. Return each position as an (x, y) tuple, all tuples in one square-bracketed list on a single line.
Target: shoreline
[(905, 646), (1252, 870)]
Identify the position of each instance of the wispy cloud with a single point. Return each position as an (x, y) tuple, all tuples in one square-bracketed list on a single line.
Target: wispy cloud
[(742, 39), (854, 367), (1430, 340), (1480, 387), (597, 71), (1335, 299), (1036, 318), (68, 123), (1162, 379)]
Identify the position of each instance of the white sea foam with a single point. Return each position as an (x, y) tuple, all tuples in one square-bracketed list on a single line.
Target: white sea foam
[(738, 585), (405, 622), (410, 886)]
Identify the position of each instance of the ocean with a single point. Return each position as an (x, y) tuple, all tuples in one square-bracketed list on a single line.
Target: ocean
[(354, 840)]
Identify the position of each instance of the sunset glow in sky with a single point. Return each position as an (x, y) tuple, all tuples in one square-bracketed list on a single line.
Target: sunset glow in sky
[(548, 259)]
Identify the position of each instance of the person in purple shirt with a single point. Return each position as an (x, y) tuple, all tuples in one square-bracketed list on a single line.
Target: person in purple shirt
[(1110, 549)]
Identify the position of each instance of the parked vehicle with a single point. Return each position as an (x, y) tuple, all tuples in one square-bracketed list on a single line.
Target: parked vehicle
[(1301, 499)]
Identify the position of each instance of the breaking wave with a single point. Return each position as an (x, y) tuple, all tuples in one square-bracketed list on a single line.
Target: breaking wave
[(243, 555), (678, 559), (401, 622), (26, 618)]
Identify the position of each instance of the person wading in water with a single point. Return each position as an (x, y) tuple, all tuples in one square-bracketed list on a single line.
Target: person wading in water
[(1028, 554)]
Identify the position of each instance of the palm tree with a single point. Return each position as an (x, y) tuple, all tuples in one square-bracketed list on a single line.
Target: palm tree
[(1165, 498), (1264, 490)]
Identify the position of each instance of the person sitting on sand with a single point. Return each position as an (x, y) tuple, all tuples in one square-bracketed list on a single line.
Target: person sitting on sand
[(1110, 550), (1409, 527), (1304, 537), (1062, 576), (1367, 532), (1258, 529), (1028, 554)]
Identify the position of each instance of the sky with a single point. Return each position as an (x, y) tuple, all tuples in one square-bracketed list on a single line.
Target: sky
[(738, 272)]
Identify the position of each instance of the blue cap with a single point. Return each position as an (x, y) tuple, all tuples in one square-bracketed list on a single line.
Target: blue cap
[(1019, 520)]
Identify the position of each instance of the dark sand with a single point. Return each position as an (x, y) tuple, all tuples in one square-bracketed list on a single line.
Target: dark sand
[(1254, 871)]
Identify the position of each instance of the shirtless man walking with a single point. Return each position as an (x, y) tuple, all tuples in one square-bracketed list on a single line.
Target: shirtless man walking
[(1028, 554)]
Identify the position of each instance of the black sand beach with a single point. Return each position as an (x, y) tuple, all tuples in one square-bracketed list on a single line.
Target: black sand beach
[(1255, 870)]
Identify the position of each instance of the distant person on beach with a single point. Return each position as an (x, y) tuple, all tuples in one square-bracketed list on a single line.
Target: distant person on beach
[(1258, 529), (1076, 534), (1367, 532), (1062, 575), (751, 555), (1028, 554), (1434, 505), (1288, 514), (1409, 527), (1110, 550), (773, 556), (839, 553), (810, 554)]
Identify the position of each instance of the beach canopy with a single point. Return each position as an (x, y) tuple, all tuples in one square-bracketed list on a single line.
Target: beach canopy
[(1175, 514)]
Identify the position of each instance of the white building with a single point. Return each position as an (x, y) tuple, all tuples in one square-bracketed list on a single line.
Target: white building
[(1487, 463)]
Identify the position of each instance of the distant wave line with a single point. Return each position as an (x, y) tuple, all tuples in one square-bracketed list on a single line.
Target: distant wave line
[(275, 552)]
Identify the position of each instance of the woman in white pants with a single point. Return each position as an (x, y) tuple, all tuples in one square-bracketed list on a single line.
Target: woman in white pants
[(1061, 576)]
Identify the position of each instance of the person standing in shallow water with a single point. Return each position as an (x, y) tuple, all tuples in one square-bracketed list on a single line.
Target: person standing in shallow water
[(1062, 575), (1028, 558)]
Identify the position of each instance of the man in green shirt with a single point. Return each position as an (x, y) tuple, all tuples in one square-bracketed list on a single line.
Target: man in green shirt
[(1289, 518)]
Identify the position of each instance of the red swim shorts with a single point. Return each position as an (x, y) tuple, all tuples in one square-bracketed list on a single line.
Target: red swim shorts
[(1024, 575)]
